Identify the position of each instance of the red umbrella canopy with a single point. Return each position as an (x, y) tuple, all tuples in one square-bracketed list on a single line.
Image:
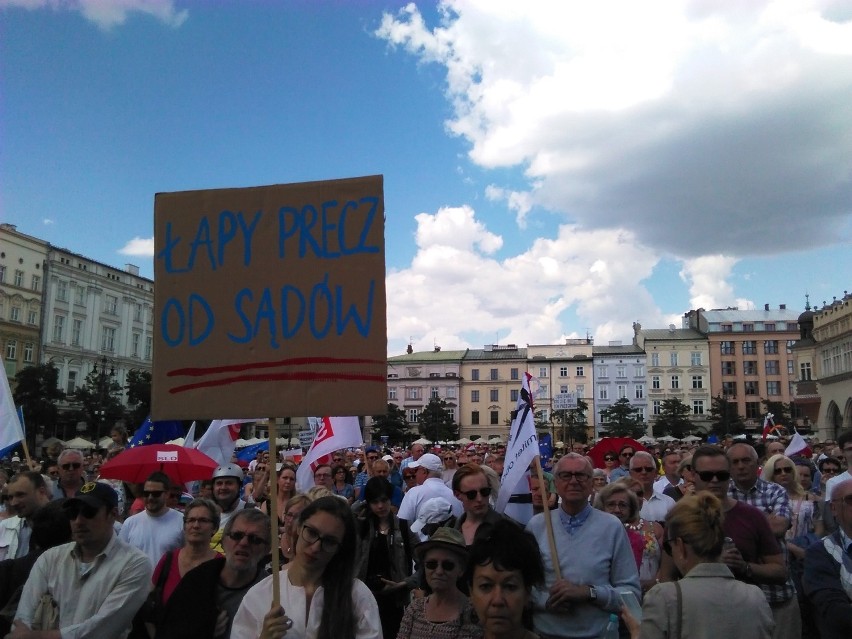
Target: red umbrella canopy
[(612, 445), (181, 464)]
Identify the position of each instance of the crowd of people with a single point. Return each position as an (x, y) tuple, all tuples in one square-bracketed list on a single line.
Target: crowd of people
[(726, 539)]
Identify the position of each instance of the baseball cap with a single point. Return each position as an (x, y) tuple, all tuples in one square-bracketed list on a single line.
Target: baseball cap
[(433, 511), (95, 494), (371, 449), (429, 462), (388, 458)]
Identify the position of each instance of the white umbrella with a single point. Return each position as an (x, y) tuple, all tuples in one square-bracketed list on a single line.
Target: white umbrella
[(559, 445), (691, 438), (105, 442), (496, 440), (646, 439), (667, 438), (463, 441), (422, 441), (78, 443)]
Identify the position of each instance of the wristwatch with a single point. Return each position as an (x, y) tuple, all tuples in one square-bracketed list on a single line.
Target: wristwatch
[(593, 593)]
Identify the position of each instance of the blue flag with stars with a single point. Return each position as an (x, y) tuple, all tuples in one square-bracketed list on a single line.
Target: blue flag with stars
[(249, 452), (545, 450), (156, 432)]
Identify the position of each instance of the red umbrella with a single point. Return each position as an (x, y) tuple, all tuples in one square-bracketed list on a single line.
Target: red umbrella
[(611, 445), (181, 464)]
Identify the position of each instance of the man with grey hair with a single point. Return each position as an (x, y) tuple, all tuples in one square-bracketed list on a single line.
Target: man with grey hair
[(207, 597), (71, 472), (594, 558), (655, 506), (428, 471)]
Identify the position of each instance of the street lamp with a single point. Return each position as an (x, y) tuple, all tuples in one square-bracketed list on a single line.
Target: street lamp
[(104, 380)]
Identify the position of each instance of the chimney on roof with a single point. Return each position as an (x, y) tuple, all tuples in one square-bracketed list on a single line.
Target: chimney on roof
[(766, 307), (437, 349), (783, 307), (409, 350)]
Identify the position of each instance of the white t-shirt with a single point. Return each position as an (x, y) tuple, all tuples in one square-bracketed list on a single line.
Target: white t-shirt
[(414, 498), (153, 535), (249, 618)]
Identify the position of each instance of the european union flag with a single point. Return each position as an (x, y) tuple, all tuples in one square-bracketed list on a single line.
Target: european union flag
[(248, 453), (156, 432), (545, 449)]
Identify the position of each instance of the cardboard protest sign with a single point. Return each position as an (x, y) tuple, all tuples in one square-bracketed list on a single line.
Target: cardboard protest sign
[(270, 301)]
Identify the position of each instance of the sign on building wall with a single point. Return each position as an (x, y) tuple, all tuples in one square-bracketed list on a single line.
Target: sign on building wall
[(270, 301)]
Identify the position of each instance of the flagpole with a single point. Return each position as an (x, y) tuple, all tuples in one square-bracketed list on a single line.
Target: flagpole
[(273, 509), (24, 442), (551, 540)]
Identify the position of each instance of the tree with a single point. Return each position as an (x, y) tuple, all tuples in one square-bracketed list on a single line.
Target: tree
[(392, 425), (622, 420), (673, 419), (100, 397), (138, 387), (573, 423), (436, 422), (726, 419), (37, 392)]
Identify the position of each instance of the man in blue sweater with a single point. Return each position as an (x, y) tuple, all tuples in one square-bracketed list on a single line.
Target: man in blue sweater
[(594, 558)]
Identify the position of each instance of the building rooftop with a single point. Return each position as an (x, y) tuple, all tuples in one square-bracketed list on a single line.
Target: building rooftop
[(498, 353), (754, 315), (623, 349), (668, 334), (426, 356)]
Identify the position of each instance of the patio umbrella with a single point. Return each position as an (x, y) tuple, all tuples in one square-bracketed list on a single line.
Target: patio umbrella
[(79, 443), (181, 464), (611, 445)]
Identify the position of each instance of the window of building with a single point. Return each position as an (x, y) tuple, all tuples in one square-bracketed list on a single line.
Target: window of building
[(675, 381), (805, 371), (111, 305), (514, 394), (71, 386), (750, 348), (581, 391), (392, 392), (603, 372), (656, 407), (149, 345), (752, 410), (493, 374), (542, 371), (790, 344), (748, 327), (729, 368), (495, 417), (727, 348), (474, 396), (15, 314), (697, 406), (542, 391), (2, 274), (19, 278), (474, 374), (695, 358), (514, 374), (12, 349), (773, 367), (58, 328), (773, 388), (494, 395), (32, 317), (412, 392), (451, 392), (622, 391), (751, 388), (791, 367), (36, 285), (581, 371), (792, 326), (729, 389), (137, 312), (135, 343), (108, 339), (697, 382), (639, 391), (750, 367), (603, 392), (433, 393), (413, 415), (770, 347), (727, 328), (80, 295), (655, 359), (673, 358), (769, 326), (474, 418), (29, 349), (563, 388), (76, 331), (62, 291), (638, 371), (621, 371), (655, 382), (563, 371)]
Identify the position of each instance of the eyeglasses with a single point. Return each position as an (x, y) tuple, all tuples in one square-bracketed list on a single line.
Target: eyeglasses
[(644, 469), (257, 468), (445, 564), (74, 465), (372, 457), (830, 471), (627, 454), (337, 459), (311, 536), (156, 494), (609, 458), (87, 510), (54, 473), (617, 505), (471, 494), (708, 475), (198, 520), (785, 470), (568, 476), (254, 540)]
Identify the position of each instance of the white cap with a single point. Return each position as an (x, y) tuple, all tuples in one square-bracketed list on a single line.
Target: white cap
[(429, 462), (433, 511)]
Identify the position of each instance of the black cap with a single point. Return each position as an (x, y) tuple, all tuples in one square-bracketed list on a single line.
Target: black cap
[(95, 494)]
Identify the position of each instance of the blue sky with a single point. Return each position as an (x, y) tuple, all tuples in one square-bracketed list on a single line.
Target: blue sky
[(548, 172)]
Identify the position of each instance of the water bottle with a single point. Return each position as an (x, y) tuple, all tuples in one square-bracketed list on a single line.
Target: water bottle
[(611, 630)]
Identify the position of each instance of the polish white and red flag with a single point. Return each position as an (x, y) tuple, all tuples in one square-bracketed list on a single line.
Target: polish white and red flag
[(768, 425), (798, 446), (333, 433), (221, 437)]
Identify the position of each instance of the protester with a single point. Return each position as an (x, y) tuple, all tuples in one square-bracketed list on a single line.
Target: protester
[(445, 613), (427, 470), (372, 454), (70, 474), (285, 490), (97, 581), (27, 492), (322, 477), (502, 569), (227, 480), (617, 499), (671, 472), (320, 596), (624, 456), (157, 529), (385, 554), (594, 558), (341, 487), (254, 490), (471, 488), (687, 480), (409, 479), (700, 605), (610, 461), (655, 505)]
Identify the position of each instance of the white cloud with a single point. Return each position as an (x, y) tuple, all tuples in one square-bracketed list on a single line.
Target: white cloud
[(107, 14), (139, 246), (47, 221), (704, 128), (456, 294)]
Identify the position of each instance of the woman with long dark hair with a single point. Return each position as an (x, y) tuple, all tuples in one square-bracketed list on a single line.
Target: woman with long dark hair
[(320, 596)]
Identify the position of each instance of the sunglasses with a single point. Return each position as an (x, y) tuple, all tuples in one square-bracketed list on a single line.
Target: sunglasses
[(609, 458), (783, 470), (87, 510), (446, 564), (471, 494), (643, 469), (568, 476), (156, 494), (253, 539), (627, 454), (74, 465), (708, 475)]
